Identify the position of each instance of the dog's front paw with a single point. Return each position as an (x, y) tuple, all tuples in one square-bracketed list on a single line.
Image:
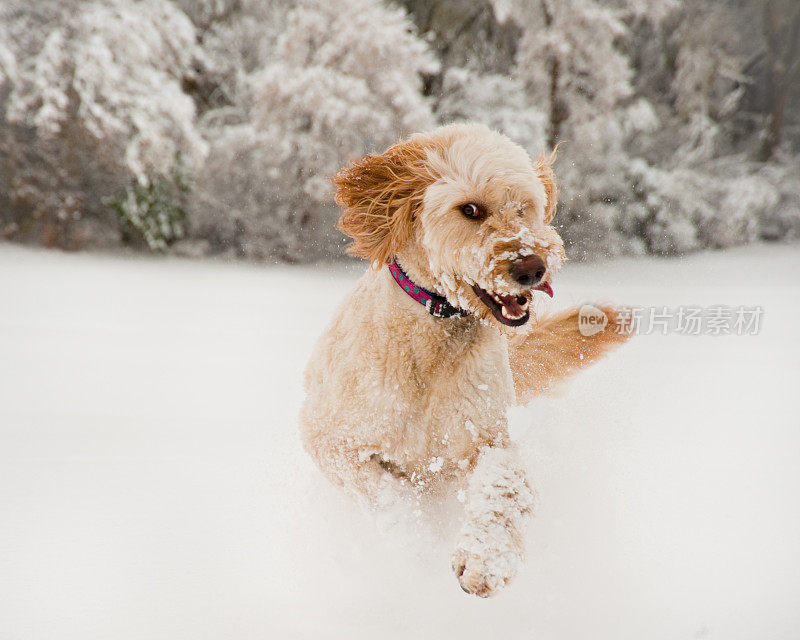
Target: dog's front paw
[(483, 571)]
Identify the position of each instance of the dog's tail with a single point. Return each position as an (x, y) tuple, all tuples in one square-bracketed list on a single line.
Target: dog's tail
[(563, 344)]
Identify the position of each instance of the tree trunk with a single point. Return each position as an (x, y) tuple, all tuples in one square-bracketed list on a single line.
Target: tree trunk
[(558, 110), (782, 42)]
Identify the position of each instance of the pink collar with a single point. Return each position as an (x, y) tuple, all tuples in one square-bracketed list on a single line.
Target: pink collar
[(436, 305)]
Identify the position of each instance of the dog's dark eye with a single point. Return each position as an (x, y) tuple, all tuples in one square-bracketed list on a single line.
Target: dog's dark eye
[(472, 210)]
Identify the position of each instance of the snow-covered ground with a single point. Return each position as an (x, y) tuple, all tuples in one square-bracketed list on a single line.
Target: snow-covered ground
[(152, 483)]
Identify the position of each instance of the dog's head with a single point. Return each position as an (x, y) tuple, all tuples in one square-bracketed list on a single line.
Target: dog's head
[(465, 210)]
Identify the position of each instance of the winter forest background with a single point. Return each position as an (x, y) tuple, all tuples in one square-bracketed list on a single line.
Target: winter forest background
[(211, 127)]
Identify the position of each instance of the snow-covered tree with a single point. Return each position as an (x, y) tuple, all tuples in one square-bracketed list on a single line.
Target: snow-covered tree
[(99, 105), (238, 38), (344, 80), (574, 68), (700, 185), (495, 100)]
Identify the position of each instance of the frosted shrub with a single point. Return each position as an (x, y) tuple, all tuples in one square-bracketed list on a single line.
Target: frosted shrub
[(718, 206), (244, 207), (783, 219), (742, 202), (153, 209)]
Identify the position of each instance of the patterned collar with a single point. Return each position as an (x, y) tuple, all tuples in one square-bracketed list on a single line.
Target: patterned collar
[(436, 305)]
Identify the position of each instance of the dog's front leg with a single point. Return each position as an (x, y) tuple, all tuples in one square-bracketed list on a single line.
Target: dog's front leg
[(366, 475), (490, 546)]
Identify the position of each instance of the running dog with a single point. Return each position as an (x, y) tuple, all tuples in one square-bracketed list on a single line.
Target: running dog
[(408, 387)]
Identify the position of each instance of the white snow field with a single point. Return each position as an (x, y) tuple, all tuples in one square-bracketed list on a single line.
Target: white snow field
[(152, 482)]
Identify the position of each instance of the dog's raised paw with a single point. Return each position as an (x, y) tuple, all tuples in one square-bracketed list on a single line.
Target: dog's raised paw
[(484, 575)]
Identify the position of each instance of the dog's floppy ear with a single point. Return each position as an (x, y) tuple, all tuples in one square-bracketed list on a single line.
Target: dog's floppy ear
[(544, 169), (379, 195)]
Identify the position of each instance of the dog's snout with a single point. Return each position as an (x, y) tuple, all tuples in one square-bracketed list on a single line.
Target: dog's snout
[(528, 271)]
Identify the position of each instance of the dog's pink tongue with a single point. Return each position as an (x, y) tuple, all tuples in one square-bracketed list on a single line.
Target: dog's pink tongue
[(545, 288)]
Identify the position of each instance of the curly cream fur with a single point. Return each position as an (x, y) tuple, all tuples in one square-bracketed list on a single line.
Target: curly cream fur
[(398, 400)]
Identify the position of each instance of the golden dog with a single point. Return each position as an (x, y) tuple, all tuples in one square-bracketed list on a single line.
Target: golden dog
[(408, 387)]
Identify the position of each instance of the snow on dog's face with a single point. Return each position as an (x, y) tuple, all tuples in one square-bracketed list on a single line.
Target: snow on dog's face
[(484, 226), (465, 210)]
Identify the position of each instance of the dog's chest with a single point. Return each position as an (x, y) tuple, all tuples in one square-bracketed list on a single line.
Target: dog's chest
[(451, 386)]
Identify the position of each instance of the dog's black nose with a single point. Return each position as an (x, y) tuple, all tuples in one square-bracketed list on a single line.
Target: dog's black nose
[(528, 271)]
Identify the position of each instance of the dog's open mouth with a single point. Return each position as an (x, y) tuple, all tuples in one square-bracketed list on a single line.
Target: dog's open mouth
[(510, 309)]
